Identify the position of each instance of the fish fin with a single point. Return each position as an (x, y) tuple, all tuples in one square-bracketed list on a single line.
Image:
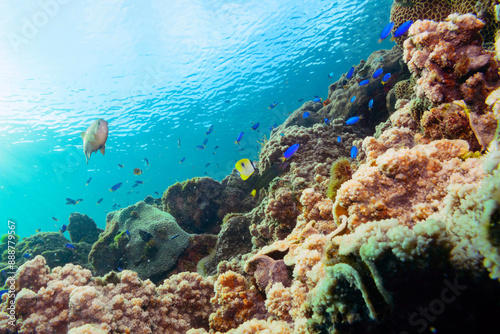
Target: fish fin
[(393, 39), (254, 192), (282, 159), (102, 149), (380, 40)]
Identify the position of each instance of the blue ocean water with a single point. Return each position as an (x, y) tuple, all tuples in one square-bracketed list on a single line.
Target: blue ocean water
[(157, 71)]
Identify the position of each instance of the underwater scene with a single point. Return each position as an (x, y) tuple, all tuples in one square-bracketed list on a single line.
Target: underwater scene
[(249, 167)]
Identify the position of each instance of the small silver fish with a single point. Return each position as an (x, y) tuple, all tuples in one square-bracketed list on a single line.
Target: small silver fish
[(94, 138)]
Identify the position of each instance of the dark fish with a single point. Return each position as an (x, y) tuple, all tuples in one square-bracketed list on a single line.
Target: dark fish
[(88, 181), (200, 147), (120, 165), (70, 201), (300, 100), (63, 228), (182, 160), (54, 218), (255, 126), (115, 187), (99, 200), (145, 236), (179, 142), (269, 174), (208, 164), (274, 104), (205, 142), (157, 193), (79, 200), (216, 147), (210, 129), (147, 162), (174, 236), (228, 101), (70, 246), (137, 171)]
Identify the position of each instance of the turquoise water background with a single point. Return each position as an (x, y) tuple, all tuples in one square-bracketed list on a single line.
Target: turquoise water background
[(157, 71)]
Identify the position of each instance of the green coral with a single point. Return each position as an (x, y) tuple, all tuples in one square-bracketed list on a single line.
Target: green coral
[(340, 172)]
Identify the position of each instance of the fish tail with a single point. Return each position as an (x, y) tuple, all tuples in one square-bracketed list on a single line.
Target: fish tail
[(393, 39), (282, 159), (380, 40)]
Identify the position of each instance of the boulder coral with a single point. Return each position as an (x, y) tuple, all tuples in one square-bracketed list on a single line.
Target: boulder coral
[(152, 258)]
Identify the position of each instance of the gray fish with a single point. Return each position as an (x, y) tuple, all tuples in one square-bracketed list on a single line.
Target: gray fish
[(94, 138)]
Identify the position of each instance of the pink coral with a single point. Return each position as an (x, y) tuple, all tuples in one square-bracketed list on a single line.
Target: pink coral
[(236, 302), (449, 61), (69, 300), (408, 184)]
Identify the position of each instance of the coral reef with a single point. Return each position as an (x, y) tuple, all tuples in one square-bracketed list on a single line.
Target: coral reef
[(450, 63), (51, 245), (340, 172), (68, 298), (152, 258), (200, 204), (82, 228), (438, 10)]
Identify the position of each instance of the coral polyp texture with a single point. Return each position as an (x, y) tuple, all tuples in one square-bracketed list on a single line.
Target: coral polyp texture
[(403, 237)]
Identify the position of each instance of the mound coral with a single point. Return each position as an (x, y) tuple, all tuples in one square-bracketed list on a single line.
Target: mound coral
[(152, 258)]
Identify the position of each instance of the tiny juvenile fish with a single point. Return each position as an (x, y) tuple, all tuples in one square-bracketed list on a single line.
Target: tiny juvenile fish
[(354, 152), (210, 129), (200, 147), (179, 142), (147, 162), (137, 171), (274, 104), (386, 31), (182, 160), (316, 99), (386, 78), (88, 181), (208, 164), (238, 139), (120, 165), (364, 82), (99, 200), (353, 99), (402, 29), (54, 218), (38, 230), (353, 120), (300, 100), (157, 193), (255, 126), (26, 255), (377, 73), (205, 142), (115, 187), (350, 73), (370, 104), (305, 114), (330, 75), (69, 246)]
